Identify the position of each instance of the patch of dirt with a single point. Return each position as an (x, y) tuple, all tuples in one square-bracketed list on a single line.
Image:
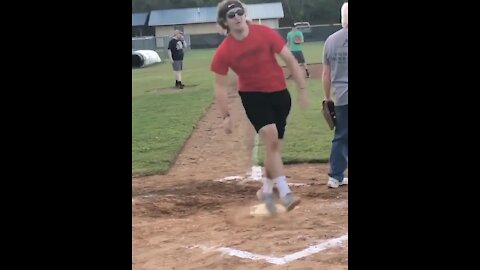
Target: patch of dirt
[(171, 89), (174, 212)]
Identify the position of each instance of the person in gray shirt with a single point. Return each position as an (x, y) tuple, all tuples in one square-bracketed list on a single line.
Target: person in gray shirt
[(335, 81)]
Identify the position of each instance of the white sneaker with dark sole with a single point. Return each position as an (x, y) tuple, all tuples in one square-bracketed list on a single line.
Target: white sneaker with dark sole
[(290, 201), (334, 183)]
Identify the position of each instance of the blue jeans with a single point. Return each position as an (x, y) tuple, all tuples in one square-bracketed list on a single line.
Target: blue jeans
[(339, 153)]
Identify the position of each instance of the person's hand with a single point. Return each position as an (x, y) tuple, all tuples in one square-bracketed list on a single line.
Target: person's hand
[(171, 61), (227, 125), (303, 99)]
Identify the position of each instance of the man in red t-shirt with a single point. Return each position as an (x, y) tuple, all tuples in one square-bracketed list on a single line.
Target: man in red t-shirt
[(249, 50)]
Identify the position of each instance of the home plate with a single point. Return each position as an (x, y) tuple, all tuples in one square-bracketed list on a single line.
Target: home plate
[(260, 210)]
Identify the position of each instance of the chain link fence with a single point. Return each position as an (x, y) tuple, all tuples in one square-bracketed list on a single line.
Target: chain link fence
[(203, 41)]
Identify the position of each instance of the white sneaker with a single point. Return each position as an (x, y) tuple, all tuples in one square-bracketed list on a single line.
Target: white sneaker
[(290, 201), (334, 183)]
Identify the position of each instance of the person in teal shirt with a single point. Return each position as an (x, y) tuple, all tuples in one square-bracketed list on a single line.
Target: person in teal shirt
[(294, 43)]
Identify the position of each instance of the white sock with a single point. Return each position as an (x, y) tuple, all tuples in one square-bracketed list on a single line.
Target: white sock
[(282, 185), (267, 185)]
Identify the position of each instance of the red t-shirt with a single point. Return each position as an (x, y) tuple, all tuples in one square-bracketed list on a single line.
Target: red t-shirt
[(252, 59)]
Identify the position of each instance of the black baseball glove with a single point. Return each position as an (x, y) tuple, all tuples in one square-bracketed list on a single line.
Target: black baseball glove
[(328, 110)]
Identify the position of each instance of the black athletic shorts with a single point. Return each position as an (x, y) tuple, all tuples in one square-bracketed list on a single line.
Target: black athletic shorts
[(267, 108)]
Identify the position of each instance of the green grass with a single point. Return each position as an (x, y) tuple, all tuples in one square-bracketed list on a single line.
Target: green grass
[(196, 71), (313, 52), (307, 136), (161, 123), (163, 120)]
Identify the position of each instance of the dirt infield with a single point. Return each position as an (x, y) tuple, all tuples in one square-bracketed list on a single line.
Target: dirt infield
[(176, 214), (171, 89)]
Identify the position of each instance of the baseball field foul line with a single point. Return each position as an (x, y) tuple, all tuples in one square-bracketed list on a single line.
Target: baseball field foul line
[(277, 260)]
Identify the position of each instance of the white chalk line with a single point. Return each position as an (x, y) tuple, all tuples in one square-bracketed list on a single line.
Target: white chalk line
[(277, 260), (248, 178)]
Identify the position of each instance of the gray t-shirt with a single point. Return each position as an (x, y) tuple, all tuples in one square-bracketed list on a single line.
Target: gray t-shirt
[(335, 54)]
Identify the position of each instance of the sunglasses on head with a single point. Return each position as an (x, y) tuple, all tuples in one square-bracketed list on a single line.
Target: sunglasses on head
[(238, 12)]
